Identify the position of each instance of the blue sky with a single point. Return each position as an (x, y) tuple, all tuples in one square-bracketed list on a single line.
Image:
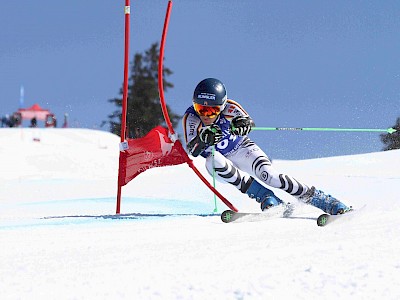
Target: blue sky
[(289, 63)]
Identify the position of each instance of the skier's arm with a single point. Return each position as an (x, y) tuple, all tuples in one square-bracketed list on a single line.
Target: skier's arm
[(241, 122), (207, 136), (241, 125), (197, 138)]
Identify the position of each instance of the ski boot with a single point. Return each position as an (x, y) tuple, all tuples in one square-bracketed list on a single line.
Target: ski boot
[(325, 202), (264, 196)]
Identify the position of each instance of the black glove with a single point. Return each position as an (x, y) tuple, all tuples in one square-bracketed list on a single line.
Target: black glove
[(241, 125), (196, 146), (211, 135)]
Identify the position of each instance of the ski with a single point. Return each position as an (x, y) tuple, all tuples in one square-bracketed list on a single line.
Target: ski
[(326, 219), (280, 211)]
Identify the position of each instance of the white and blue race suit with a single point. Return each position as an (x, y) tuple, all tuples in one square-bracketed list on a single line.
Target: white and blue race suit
[(237, 159), (240, 162)]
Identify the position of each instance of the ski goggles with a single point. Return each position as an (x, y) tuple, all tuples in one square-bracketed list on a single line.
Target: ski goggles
[(207, 111)]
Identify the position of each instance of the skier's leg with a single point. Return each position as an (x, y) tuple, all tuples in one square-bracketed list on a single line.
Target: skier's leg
[(225, 171), (251, 159)]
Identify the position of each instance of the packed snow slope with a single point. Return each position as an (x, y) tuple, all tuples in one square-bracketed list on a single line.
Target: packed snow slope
[(60, 238)]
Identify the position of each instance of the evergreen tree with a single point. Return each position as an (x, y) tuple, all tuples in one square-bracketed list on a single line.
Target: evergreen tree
[(144, 109), (392, 140)]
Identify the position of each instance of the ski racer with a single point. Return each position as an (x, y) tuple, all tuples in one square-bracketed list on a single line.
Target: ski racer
[(216, 121)]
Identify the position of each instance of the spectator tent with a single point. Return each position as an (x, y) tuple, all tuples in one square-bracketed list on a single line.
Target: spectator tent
[(35, 111)]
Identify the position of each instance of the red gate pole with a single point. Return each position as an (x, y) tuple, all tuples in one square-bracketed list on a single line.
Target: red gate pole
[(124, 97), (165, 111)]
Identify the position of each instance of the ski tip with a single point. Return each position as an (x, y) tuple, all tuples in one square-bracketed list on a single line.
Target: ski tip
[(227, 216), (322, 220)]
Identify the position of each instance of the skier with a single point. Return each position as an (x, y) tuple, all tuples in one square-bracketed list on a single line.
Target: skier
[(216, 121)]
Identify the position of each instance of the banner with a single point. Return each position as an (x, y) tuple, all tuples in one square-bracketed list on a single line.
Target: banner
[(155, 149)]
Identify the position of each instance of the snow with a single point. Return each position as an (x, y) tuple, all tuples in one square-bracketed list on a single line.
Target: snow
[(60, 237)]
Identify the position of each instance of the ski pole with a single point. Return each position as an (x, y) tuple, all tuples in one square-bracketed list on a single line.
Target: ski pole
[(213, 175), (389, 130)]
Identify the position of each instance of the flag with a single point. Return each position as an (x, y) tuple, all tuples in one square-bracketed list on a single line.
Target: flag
[(155, 149)]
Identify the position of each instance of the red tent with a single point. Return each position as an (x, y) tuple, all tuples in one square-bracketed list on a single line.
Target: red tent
[(34, 111)]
